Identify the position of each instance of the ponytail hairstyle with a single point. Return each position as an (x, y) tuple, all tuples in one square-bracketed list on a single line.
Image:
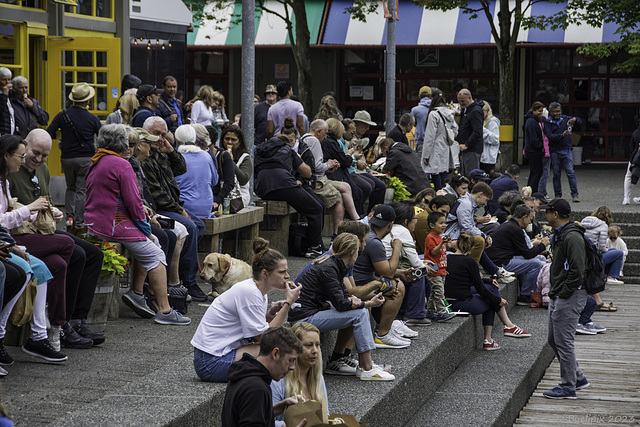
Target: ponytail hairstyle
[(465, 242), (343, 245), (264, 258)]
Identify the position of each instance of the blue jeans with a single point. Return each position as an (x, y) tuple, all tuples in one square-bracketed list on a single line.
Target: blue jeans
[(413, 302), (332, 319), (612, 260), (527, 271), (478, 305), (211, 368), (563, 159), (588, 310), (189, 255), (542, 184)]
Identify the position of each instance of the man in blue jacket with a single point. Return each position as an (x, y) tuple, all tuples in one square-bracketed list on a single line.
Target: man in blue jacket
[(558, 129), (505, 182)]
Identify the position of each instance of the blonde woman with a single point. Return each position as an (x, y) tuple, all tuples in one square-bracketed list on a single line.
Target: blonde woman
[(306, 380), (125, 107), (325, 303), (218, 110), (203, 105), (491, 139), (328, 109)]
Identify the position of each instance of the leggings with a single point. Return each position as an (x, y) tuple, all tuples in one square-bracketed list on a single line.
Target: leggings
[(306, 205)]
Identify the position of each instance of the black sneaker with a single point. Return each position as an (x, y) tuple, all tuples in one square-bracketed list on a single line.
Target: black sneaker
[(43, 350), (5, 359), (196, 293), (69, 338), (523, 300), (85, 331)]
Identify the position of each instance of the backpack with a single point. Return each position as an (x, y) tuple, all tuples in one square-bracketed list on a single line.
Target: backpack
[(595, 279)]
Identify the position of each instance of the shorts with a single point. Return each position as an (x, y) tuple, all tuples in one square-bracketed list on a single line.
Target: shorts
[(146, 252), (328, 190), (212, 368)]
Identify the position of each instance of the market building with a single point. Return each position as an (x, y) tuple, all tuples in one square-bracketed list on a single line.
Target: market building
[(441, 49)]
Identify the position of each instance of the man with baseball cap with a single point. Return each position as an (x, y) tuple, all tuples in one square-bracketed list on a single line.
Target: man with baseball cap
[(78, 127), (568, 298), (373, 262), (261, 111), (420, 113), (149, 97)]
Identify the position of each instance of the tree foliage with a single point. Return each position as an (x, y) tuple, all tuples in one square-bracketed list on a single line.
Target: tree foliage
[(623, 13)]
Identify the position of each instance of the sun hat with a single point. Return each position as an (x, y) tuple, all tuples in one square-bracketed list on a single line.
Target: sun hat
[(81, 92), (364, 117)]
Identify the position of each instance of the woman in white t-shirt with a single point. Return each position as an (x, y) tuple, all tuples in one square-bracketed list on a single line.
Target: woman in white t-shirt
[(233, 324), (202, 111)]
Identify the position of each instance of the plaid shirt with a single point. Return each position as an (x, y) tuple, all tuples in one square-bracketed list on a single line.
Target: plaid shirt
[(160, 169)]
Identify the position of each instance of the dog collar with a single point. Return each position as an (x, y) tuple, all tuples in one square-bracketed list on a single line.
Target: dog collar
[(226, 271)]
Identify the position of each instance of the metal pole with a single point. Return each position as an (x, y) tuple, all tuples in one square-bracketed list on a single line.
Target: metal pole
[(390, 74), (248, 73)]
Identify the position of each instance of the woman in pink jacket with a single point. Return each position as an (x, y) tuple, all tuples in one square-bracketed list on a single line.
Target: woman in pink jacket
[(114, 212)]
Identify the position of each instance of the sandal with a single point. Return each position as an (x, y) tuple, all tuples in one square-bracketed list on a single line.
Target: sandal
[(606, 307)]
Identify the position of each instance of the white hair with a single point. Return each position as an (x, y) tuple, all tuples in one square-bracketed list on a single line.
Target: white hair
[(19, 79), (4, 71), (151, 120), (186, 134)]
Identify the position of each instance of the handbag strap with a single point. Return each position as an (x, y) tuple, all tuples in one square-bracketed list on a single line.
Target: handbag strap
[(69, 123), (444, 122)]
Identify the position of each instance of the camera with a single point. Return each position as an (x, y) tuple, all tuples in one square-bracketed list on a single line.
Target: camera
[(167, 222), (418, 273)]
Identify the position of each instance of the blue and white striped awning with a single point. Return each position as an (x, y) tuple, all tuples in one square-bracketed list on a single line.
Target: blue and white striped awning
[(418, 26)]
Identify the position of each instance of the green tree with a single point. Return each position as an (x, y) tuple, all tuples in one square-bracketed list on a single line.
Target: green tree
[(623, 13)]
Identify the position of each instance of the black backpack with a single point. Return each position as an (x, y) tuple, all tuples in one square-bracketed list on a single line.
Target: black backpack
[(595, 279)]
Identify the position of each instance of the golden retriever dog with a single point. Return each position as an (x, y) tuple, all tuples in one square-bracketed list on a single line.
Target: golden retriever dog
[(223, 271)]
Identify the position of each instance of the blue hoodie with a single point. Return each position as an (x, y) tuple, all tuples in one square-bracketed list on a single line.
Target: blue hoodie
[(420, 112)]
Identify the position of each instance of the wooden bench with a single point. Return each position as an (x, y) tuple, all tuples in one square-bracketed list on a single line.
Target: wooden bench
[(233, 234)]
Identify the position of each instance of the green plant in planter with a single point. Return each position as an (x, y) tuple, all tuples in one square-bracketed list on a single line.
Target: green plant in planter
[(400, 191), (113, 262)]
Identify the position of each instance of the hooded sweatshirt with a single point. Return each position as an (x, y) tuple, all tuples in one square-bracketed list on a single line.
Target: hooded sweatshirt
[(533, 142), (403, 163), (247, 401), (420, 112), (569, 265), (471, 127), (275, 164)]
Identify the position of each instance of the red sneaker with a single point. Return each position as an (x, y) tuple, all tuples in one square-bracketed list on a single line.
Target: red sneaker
[(516, 332), (490, 346)]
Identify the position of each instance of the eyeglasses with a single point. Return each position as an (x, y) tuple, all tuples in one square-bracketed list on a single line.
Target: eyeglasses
[(22, 156), (36, 186)]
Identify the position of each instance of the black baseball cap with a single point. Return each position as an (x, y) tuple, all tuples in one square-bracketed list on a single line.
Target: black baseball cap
[(540, 196), (146, 90), (479, 174), (383, 215), (559, 205)]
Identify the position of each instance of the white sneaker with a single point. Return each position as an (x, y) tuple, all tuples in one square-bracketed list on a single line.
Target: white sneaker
[(3, 372), (626, 201), (614, 281), (595, 327), (584, 330), (636, 200), (376, 374), (403, 330), (504, 273), (391, 340), (340, 367), (54, 337)]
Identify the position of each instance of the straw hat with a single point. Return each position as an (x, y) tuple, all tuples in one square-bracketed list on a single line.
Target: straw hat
[(81, 92), (364, 117)]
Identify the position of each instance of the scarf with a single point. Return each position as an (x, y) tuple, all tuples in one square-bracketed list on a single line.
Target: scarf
[(101, 153)]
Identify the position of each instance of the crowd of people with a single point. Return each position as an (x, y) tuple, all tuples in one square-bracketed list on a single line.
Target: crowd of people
[(148, 177)]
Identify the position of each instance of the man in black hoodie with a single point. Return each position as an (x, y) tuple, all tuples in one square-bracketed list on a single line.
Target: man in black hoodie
[(470, 133), (248, 397)]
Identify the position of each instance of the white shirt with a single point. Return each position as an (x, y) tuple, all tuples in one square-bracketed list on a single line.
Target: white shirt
[(232, 319), (201, 114)]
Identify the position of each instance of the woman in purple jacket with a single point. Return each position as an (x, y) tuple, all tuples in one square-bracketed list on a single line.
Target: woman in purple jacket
[(114, 212)]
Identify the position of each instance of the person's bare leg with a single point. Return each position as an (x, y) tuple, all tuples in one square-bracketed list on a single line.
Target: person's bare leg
[(390, 310), (364, 360), (344, 340), (502, 314), (597, 298), (338, 215), (174, 277), (138, 276), (347, 199), (158, 284), (487, 332)]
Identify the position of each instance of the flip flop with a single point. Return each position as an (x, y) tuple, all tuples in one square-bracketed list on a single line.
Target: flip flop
[(606, 307)]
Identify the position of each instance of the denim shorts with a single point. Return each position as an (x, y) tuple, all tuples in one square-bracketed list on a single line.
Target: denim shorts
[(212, 368)]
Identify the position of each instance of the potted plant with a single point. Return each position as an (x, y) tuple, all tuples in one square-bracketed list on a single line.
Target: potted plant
[(400, 191), (114, 265)]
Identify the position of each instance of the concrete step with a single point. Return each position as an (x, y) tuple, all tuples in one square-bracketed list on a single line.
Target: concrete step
[(489, 387), (631, 269)]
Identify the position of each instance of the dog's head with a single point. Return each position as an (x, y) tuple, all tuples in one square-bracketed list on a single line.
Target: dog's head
[(215, 265)]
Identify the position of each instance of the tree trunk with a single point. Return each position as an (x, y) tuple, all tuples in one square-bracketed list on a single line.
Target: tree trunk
[(302, 55), (507, 102)]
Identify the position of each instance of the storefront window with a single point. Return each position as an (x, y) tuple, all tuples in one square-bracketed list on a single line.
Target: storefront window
[(623, 119), (449, 87), (7, 44), (552, 61), (364, 89), (37, 4), (619, 147), (587, 64), (485, 61), (486, 88), (208, 62), (363, 61), (594, 119), (97, 8), (552, 90)]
